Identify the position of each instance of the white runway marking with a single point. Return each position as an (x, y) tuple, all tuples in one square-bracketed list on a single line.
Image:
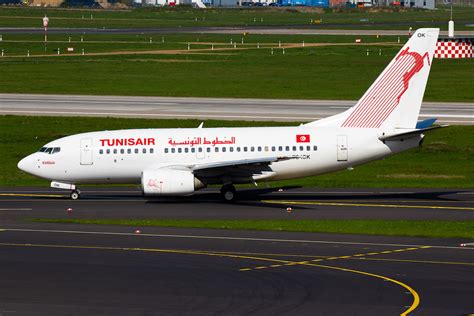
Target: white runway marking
[(228, 238)]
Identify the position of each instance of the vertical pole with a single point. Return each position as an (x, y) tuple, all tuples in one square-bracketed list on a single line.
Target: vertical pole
[(45, 38)]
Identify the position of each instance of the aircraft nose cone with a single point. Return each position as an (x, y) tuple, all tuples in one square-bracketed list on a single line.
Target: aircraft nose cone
[(25, 164)]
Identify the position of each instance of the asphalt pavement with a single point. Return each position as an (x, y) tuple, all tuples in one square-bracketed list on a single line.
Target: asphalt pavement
[(206, 108), (58, 269)]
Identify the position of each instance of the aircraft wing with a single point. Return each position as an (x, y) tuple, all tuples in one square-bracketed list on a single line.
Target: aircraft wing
[(237, 168)]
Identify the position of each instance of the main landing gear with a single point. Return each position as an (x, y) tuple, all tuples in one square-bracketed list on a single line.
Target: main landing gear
[(75, 195), (228, 192)]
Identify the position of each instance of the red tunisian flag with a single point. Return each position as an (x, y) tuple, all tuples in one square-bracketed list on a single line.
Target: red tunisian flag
[(302, 138)]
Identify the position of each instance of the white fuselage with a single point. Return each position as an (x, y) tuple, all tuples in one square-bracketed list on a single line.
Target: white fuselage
[(121, 156)]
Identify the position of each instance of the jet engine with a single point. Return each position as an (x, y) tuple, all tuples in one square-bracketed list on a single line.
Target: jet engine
[(170, 182)]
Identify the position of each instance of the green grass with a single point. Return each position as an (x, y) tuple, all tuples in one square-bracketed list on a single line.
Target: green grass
[(337, 72), (418, 228), (186, 17), (444, 161)]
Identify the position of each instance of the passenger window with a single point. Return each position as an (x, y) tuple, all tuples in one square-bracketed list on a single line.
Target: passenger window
[(208, 149), (294, 148), (245, 149), (193, 150), (280, 148), (172, 150), (144, 150), (129, 151), (186, 150), (301, 148), (152, 150), (108, 151), (122, 151), (252, 148), (166, 150), (238, 149), (224, 149), (315, 147), (200, 149), (101, 151), (266, 148), (308, 148), (136, 150), (217, 149), (273, 148), (231, 149), (115, 151), (287, 148), (179, 150), (259, 148)]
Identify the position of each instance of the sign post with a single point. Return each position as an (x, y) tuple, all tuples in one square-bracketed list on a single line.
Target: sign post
[(45, 25)]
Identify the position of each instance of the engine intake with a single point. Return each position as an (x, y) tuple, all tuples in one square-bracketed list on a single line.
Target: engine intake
[(170, 182)]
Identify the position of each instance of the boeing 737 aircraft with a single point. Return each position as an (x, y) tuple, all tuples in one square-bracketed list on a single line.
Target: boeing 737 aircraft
[(180, 161)]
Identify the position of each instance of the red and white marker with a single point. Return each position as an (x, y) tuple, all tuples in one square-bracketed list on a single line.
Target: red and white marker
[(138, 231), (69, 210), (289, 209)]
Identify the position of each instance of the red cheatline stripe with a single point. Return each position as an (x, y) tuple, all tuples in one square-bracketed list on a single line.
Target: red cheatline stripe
[(400, 93), (391, 74), (390, 97), (365, 102), (387, 96), (390, 100), (362, 116)]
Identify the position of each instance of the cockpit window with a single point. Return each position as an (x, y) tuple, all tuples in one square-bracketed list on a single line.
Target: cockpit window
[(50, 150)]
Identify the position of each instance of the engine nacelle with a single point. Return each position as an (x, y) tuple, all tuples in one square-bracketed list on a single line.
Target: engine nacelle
[(170, 182)]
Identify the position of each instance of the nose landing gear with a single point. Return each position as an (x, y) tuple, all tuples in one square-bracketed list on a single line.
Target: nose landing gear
[(75, 194)]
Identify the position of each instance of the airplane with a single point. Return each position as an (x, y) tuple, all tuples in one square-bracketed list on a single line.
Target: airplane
[(178, 162)]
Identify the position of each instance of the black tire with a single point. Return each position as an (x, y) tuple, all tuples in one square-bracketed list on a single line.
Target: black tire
[(228, 193), (75, 195)]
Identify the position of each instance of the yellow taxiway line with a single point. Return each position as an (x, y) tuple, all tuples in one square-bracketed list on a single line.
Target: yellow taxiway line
[(32, 195), (412, 307), (368, 205)]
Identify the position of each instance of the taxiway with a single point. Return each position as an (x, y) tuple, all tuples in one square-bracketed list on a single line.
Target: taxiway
[(206, 108), (56, 269)]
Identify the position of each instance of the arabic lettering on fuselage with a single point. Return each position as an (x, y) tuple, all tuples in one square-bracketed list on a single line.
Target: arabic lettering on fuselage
[(202, 141)]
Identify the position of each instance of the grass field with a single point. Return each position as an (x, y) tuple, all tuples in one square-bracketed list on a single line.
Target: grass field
[(326, 72), (418, 228), (444, 161), (187, 17)]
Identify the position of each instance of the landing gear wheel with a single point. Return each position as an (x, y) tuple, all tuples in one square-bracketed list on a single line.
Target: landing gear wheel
[(228, 193), (75, 195)]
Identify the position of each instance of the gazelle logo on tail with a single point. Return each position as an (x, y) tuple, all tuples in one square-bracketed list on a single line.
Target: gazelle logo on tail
[(399, 88), (416, 68)]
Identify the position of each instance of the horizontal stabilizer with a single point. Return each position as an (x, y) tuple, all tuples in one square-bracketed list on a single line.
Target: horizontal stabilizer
[(425, 123), (409, 134)]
